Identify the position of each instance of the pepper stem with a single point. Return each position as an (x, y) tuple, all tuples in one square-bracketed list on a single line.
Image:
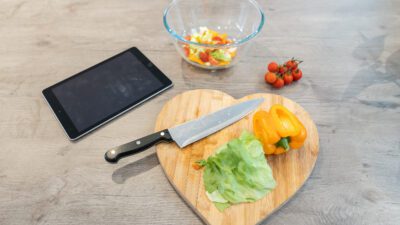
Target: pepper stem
[(284, 143)]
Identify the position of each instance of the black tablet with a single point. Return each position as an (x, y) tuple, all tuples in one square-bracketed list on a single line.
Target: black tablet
[(102, 92)]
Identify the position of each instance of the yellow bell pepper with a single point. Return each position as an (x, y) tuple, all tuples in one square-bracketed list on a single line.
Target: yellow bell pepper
[(223, 63), (193, 58), (278, 130), (297, 141)]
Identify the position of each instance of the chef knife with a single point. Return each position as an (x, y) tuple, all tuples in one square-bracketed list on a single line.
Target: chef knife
[(186, 133)]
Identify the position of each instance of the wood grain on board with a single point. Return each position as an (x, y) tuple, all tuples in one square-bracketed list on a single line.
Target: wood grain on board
[(290, 170)]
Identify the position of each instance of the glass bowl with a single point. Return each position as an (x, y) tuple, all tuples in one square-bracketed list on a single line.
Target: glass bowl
[(213, 34)]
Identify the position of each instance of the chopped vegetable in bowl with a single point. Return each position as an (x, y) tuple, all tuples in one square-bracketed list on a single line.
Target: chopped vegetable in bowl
[(206, 56)]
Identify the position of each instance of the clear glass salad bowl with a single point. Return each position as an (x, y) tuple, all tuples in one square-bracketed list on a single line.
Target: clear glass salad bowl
[(213, 34)]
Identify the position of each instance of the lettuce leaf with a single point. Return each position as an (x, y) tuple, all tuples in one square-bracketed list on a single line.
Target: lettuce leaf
[(237, 172), (221, 55)]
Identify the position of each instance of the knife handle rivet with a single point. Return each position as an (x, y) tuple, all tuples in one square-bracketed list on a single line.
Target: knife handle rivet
[(112, 152), (162, 133), (138, 142)]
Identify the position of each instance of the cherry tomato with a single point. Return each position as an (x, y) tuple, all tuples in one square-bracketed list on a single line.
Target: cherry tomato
[(296, 64), (288, 79), (212, 60), (270, 77), (186, 50), (273, 67), (188, 37), (203, 56), (297, 74), (196, 166), (283, 69), (217, 38), (279, 83), (291, 64)]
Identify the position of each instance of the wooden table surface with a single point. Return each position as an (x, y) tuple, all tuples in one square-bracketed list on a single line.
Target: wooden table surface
[(351, 50)]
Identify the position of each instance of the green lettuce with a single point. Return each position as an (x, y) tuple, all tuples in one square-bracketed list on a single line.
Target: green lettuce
[(221, 55), (237, 172)]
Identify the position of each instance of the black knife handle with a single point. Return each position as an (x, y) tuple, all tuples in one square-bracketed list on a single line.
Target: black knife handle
[(133, 147)]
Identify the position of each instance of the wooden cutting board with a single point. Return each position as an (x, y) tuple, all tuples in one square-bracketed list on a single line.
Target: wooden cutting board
[(290, 170)]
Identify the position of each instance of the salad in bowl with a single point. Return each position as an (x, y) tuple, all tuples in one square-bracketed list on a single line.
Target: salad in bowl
[(206, 56), (213, 34)]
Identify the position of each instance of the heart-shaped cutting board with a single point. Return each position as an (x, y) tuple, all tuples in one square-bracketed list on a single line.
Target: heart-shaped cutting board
[(290, 170)]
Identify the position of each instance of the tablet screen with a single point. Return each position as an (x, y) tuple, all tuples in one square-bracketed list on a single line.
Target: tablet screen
[(106, 89)]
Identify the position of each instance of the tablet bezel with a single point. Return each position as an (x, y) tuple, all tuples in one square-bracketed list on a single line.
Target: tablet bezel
[(65, 120)]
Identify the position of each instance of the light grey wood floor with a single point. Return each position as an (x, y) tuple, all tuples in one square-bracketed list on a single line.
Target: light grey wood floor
[(351, 50)]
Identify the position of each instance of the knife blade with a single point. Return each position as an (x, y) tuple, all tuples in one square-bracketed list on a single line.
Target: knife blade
[(188, 132)]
